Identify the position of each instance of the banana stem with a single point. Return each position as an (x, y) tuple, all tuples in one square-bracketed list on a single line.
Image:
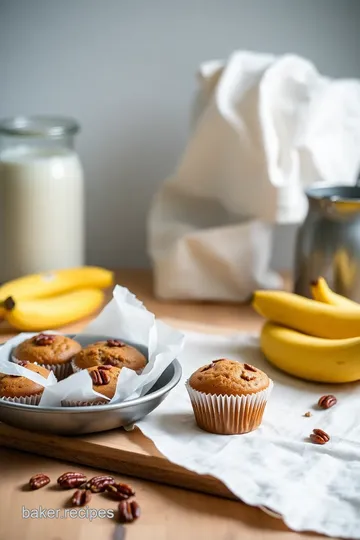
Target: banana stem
[(8, 304)]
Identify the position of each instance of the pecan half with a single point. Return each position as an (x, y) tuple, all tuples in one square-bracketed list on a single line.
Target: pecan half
[(307, 414), (325, 402), (249, 367), (247, 377), (38, 481), (319, 436), (71, 480), (98, 484), (100, 377), (43, 339), (81, 497), (105, 367), (120, 491), (128, 511), (115, 343)]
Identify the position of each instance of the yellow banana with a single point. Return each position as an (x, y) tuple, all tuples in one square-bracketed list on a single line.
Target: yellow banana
[(53, 312), (321, 292), (306, 315), (311, 358), (56, 282)]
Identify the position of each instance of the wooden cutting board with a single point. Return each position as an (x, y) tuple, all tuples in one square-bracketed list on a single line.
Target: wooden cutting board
[(130, 453)]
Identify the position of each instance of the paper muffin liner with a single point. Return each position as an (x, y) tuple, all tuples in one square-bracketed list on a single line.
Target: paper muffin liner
[(61, 371), (228, 415), (74, 403), (27, 400), (74, 367)]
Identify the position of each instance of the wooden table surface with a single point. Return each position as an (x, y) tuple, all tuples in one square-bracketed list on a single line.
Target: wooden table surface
[(167, 513)]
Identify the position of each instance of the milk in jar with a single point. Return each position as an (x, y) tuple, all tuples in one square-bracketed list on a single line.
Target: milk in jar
[(41, 196)]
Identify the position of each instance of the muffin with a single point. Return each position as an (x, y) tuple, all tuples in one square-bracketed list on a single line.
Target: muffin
[(51, 351), (20, 389), (112, 352), (228, 397), (104, 379)]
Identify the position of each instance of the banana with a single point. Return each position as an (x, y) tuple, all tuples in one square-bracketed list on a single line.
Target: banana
[(53, 312), (321, 292), (307, 316), (56, 282), (311, 358)]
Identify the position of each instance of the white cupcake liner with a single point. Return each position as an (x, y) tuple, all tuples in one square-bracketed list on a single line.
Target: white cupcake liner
[(61, 371), (228, 415), (74, 367), (27, 400), (74, 403)]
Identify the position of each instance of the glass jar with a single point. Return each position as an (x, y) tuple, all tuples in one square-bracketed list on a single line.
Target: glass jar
[(41, 196)]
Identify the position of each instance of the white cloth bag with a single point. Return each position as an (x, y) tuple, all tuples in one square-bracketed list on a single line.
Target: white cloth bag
[(265, 128)]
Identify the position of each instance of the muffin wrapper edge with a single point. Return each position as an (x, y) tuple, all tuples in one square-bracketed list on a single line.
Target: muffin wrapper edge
[(229, 415), (61, 371), (25, 400)]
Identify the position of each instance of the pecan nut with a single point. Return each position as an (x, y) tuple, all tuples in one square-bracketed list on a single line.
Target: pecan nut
[(325, 402), (249, 367), (106, 367), (128, 511), (81, 497), (100, 377), (43, 339), (115, 343), (38, 481), (98, 484), (71, 480), (120, 491), (318, 436), (247, 377)]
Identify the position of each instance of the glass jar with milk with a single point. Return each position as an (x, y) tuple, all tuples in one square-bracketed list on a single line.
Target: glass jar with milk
[(41, 196)]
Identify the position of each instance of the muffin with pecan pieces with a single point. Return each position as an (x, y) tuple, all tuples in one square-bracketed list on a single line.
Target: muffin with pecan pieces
[(229, 397), (52, 351), (20, 389), (112, 352), (104, 380)]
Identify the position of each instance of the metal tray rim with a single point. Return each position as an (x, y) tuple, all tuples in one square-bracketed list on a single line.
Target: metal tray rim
[(91, 408)]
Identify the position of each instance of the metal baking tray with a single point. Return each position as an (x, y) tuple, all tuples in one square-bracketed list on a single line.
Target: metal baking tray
[(90, 419)]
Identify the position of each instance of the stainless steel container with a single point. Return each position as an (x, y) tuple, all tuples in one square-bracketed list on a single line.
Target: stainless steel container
[(328, 242)]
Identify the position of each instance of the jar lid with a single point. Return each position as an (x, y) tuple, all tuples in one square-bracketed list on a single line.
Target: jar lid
[(39, 126)]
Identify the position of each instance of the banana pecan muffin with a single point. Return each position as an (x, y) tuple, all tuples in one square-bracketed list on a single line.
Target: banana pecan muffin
[(20, 389), (104, 380), (112, 352), (228, 397), (51, 351)]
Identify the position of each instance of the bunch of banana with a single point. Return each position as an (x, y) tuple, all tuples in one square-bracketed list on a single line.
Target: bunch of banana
[(50, 300), (316, 339)]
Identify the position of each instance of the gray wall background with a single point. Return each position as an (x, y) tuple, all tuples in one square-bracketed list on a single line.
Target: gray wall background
[(126, 71)]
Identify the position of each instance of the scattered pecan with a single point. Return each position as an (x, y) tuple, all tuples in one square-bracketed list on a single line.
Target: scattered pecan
[(22, 363), (325, 402), (38, 481), (308, 414), (105, 367), (120, 491), (81, 497), (98, 484), (100, 377), (128, 511), (319, 437), (44, 339), (115, 343), (249, 367), (71, 480)]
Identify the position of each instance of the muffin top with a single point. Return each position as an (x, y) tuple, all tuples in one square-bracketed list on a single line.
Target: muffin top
[(112, 352), (104, 379), (229, 378), (47, 349), (20, 386)]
